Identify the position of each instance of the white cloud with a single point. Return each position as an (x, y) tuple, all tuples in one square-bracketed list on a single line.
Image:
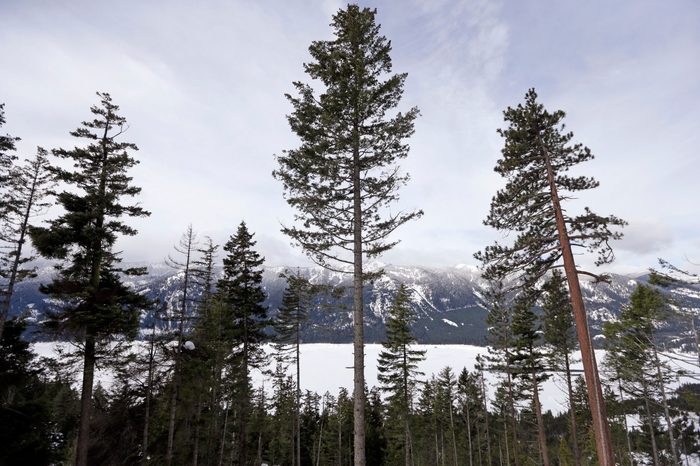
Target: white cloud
[(202, 87)]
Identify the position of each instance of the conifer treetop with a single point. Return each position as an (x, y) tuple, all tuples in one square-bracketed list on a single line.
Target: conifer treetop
[(350, 116), (535, 140)]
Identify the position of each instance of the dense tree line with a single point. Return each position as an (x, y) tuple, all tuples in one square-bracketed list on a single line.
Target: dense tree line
[(182, 367)]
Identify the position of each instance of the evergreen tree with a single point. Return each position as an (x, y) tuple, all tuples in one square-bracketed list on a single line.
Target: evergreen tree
[(240, 289), (38, 415), (501, 342), (95, 305), (471, 407), (559, 334), (398, 367), (343, 177), (30, 184), (7, 160), (528, 363), (288, 325), (536, 156), (633, 356)]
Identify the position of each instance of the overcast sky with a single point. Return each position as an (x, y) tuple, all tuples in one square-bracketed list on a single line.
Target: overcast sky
[(202, 85)]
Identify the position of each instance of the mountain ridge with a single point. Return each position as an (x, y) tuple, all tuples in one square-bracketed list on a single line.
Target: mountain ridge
[(448, 302)]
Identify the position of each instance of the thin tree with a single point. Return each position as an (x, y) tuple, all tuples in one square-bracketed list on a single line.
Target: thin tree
[(535, 158), (559, 334), (501, 342), (527, 361), (633, 356), (30, 186), (186, 249), (344, 176), (202, 272), (398, 364), (288, 325), (95, 304)]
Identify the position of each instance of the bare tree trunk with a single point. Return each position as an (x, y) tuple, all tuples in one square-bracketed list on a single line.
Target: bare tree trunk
[(652, 435), (601, 428), (149, 390), (624, 420), (514, 427), (667, 414), (243, 405), (486, 416), (454, 438), (197, 420), (469, 433), (298, 406), (223, 437), (86, 401), (500, 453), (541, 435), (572, 413)]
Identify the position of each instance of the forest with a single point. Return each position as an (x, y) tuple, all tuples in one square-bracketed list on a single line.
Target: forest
[(183, 390)]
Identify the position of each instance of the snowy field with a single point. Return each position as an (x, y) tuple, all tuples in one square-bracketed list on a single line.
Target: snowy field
[(326, 367)]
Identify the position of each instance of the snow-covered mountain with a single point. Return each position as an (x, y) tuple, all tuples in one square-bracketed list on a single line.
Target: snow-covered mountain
[(449, 302)]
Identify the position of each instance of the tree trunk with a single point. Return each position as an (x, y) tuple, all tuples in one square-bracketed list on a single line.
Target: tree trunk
[(486, 417), (601, 428), (298, 404), (243, 409), (149, 390), (624, 419), (514, 427), (223, 437), (652, 435), (18, 252), (86, 401), (469, 433), (572, 412), (541, 435), (197, 420), (358, 309), (406, 408), (454, 437), (667, 414)]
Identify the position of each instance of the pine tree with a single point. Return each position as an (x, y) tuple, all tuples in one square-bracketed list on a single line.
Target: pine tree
[(30, 185), (559, 334), (240, 289), (471, 403), (398, 365), (288, 325), (536, 156), (528, 362), (95, 304), (343, 177), (632, 354), (7, 160), (501, 343)]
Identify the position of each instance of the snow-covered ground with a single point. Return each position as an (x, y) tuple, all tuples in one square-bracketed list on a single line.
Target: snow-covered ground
[(326, 367)]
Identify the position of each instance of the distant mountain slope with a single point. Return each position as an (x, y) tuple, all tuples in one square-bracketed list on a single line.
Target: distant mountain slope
[(448, 302)]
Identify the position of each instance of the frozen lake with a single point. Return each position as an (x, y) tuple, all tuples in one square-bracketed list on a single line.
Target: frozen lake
[(326, 367)]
